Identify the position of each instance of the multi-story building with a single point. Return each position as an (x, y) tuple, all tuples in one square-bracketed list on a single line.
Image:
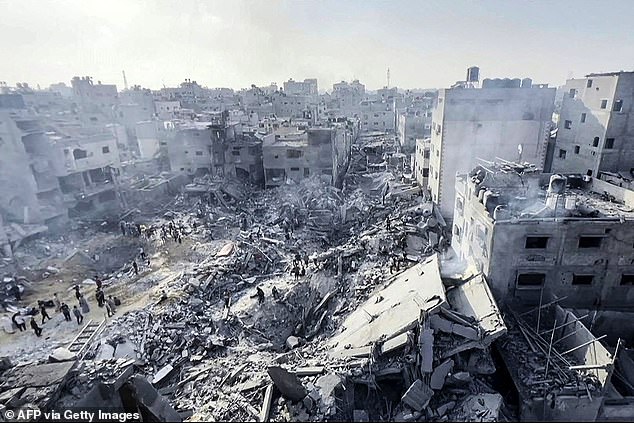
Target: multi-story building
[(566, 241), (307, 87), (469, 123), (377, 116), (167, 109), (596, 132), (412, 125), (421, 161), (292, 153), (293, 106), (96, 102), (347, 96), (190, 148), (29, 190)]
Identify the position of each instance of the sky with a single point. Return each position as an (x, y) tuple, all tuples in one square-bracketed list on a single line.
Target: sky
[(235, 43)]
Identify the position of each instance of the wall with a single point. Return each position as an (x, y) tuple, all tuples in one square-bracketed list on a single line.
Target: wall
[(101, 151), (167, 109), (485, 123), (421, 163), (147, 135), (189, 151)]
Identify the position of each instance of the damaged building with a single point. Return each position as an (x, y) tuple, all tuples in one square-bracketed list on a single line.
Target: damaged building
[(531, 232)]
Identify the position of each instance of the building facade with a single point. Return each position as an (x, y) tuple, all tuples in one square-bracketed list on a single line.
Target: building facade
[(421, 161), (509, 123), (595, 130), (566, 240)]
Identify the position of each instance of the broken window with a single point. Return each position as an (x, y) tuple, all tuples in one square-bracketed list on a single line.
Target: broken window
[(105, 149), (582, 279), (235, 152), (609, 143), (78, 153), (294, 169), (456, 230), (604, 104), (589, 83), (572, 93), (568, 124), (577, 149), (618, 105), (627, 279), (425, 172), (459, 204), (531, 280), (590, 241), (595, 142), (583, 117), (306, 172), (562, 154), (426, 154), (199, 153), (536, 242)]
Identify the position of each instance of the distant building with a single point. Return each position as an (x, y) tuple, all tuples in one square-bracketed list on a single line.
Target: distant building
[(190, 148), (413, 125), (307, 87), (596, 126), (96, 101), (167, 109), (421, 161), (568, 240), (377, 116), (291, 153), (469, 123)]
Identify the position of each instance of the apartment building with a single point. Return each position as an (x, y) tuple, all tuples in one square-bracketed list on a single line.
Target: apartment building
[(595, 130)]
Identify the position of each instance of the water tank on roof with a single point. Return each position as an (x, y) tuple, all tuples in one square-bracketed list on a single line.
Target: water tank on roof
[(487, 83), (481, 194), (527, 83), (491, 201), (473, 74), (515, 83)]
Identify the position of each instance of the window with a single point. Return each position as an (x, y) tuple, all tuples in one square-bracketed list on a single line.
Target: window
[(294, 169), (456, 231), (583, 117), (595, 142), (618, 105), (426, 154), (436, 174), (627, 279), (306, 172), (589, 83), (235, 152), (459, 204), (536, 242), (79, 154), (590, 241), (199, 153), (562, 154), (105, 149), (531, 280), (577, 149), (572, 93), (609, 143), (568, 124), (604, 104), (425, 172), (582, 279)]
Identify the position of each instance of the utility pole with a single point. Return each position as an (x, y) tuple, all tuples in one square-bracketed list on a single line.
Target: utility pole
[(388, 78), (125, 81)]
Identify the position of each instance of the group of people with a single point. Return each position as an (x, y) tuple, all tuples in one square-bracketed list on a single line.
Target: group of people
[(299, 265)]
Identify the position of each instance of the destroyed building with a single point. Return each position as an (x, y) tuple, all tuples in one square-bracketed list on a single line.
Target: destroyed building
[(501, 119), (421, 161), (530, 233), (595, 132), (296, 154)]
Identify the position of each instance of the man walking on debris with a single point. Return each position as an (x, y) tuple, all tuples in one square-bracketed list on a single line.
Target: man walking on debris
[(43, 312), (99, 295), (260, 295), (78, 315), (135, 267), (36, 328), (78, 294), (111, 306), (98, 282), (66, 312), (84, 305), (18, 320), (122, 225), (275, 293)]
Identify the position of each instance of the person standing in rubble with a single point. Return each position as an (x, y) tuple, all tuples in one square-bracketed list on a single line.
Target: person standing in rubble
[(142, 253), (78, 315), (100, 297), (122, 225), (78, 294), (18, 320), (111, 305), (36, 328), (66, 312), (84, 305), (57, 302), (275, 293), (43, 312), (15, 291), (135, 267), (260, 295), (227, 299), (98, 282), (387, 223)]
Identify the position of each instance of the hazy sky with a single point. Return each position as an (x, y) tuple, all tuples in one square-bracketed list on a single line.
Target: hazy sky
[(233, 43)]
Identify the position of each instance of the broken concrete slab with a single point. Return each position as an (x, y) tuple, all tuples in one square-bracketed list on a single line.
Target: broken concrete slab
[(416, 289), (328, 383), (292, 342), (426, 347), (162, 374), (480, 407), (474, 299), (395, 343), (417, 395), (226, 250), (440, 373), (287, 383), (61, 354), (152, 401)]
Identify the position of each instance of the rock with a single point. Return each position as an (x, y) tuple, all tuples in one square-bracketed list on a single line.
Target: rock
[(61, 354), (328, 383), (292, 342), (418, 395), (287, 383)]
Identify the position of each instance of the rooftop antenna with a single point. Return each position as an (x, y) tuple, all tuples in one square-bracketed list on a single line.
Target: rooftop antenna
[(125, 81), (388, 78)]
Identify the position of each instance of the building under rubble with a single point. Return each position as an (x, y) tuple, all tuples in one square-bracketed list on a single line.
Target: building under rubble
[(531, 232)]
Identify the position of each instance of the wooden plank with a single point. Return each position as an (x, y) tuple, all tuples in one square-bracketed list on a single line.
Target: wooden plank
[(266, 404)]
